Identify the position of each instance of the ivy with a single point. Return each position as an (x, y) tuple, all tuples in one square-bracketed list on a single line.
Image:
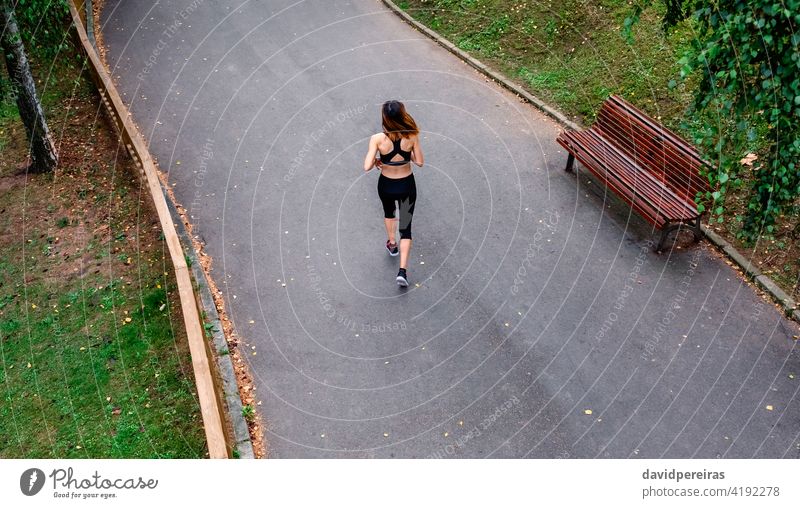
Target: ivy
[(745, 116)]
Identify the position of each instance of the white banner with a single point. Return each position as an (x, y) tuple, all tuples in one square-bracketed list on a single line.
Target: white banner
[(385, 483)]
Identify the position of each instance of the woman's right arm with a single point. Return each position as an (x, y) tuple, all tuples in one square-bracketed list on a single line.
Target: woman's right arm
[(369, 160), (416, 153)]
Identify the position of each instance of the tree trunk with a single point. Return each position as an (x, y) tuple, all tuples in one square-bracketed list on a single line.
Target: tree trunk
[(43, 153)]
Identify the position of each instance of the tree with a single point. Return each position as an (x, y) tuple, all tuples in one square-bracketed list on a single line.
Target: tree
[(748, 99), (43, 153)]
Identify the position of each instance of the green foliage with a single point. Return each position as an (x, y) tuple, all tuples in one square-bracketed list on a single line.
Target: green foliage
[(747, 54), (43, 25), (249, 413)]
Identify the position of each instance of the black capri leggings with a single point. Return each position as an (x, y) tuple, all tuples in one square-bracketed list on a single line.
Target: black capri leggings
[(403, 190)]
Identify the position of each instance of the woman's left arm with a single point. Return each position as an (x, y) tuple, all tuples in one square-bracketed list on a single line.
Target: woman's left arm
[(369, 160)]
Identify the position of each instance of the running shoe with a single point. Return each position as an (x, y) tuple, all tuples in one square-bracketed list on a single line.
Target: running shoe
[(392, 248), (402, 278)]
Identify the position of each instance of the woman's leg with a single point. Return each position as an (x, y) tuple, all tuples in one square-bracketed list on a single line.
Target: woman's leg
[(390, 229), (405, 252), (387, 201), (406, 214)]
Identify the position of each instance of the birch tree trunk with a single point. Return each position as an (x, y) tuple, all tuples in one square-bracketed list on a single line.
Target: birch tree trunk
[(43, 153)]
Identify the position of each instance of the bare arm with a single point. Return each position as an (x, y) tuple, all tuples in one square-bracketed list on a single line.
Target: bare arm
[(369, 160), (416, 153)]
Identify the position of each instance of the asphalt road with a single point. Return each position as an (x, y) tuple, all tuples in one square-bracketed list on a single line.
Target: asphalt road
[(534, 298)]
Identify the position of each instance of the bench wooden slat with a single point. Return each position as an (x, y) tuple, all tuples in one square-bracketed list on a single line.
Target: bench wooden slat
[(656, 154), (644, 184), (641, 137), (643, 208), (677, 168), (674, 139)]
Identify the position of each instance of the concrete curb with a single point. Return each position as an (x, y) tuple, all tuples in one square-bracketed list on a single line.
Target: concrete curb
[(233, 402), (754, 274)]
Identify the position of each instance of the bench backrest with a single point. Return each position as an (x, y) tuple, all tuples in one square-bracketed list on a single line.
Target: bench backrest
[(653, 147)]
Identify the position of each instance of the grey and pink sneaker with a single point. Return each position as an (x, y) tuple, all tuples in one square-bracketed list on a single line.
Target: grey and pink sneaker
[(392, 248)]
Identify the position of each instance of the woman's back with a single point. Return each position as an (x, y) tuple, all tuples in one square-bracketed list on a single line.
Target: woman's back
[(395, 155)]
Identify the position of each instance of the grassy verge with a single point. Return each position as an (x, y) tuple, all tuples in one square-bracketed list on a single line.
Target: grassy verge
[(571, 54), (93, 357)]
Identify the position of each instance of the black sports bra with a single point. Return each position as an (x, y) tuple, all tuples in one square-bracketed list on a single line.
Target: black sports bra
[(386, 159)]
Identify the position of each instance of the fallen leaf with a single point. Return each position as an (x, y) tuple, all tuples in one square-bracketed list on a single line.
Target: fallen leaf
[(748, 159), (385, 434), (587, 411), (769, 407)]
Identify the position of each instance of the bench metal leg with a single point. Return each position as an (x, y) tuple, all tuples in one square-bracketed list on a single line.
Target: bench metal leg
[(668, 228), (696, 231), (694, 226), (570, 163)]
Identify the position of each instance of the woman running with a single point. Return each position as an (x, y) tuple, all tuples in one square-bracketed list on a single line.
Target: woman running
[(397, 146)]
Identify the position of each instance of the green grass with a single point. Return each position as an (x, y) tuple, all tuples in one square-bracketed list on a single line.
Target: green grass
[(570, 53), (93, 359), (81, 381)]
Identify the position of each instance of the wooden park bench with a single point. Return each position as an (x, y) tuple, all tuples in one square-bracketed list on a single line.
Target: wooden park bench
[(649, 167)]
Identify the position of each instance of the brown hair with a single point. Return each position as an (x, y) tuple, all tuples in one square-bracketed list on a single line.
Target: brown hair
[(397, 123)]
